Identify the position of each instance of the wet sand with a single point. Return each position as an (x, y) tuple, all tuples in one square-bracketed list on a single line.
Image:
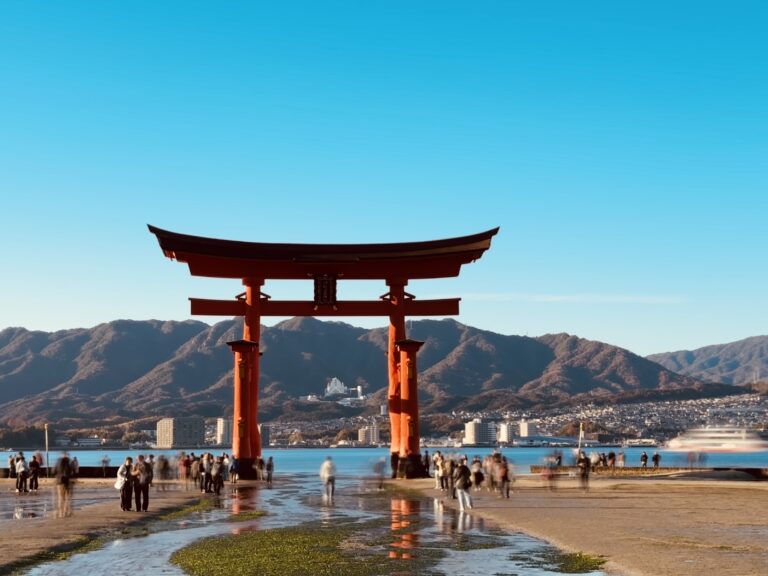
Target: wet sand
[(96, 513), (643, 527)]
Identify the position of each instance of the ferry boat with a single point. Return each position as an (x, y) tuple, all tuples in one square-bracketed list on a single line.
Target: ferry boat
[(719, 439)]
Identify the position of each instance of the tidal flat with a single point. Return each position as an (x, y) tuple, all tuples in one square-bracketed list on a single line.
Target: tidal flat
[(292, 529)]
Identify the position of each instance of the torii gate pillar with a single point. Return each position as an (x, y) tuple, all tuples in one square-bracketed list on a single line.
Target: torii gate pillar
[(409, 465), (396, 297), (246, 442)]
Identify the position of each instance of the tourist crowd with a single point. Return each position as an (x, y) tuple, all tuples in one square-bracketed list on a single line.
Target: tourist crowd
[(457, 477)]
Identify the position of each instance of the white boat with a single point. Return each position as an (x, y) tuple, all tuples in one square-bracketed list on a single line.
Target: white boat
[(718, 439)]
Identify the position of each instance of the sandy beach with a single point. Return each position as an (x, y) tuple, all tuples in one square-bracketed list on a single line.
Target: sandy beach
[(643, 527)]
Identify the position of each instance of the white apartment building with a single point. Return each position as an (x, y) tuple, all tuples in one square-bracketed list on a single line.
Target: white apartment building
[(369, 434), (224, 431), (479, 432), (180, 432), (528, 428), (506, 433)]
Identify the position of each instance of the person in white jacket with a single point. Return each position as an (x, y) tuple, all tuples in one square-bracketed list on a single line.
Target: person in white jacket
[(22, 473), (328, 476)]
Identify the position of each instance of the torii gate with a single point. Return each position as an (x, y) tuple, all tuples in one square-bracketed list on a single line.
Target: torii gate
[(254, 263)]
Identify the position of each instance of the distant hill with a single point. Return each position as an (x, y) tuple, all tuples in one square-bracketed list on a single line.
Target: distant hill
[(740, 362), (126, 370)]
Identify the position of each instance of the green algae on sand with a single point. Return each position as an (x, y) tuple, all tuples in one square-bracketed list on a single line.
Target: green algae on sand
[(349, 548)]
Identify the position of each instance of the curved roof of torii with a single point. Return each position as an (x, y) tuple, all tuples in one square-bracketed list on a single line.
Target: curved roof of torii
[(215, 257)]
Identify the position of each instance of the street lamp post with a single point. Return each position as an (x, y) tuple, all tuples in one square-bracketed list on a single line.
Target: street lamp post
[(47, 459)]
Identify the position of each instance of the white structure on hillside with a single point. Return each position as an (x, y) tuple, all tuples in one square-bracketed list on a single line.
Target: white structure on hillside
[(336, 387), (479, 432)]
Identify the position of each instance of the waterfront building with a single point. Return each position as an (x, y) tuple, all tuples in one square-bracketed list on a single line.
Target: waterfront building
[(264, 433), (506, 433), (223, 431), (528, 428), (369, 434), (179, 432), (479, 432), (93, 442)]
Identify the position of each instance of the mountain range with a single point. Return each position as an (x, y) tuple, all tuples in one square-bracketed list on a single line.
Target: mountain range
[(742, 362), (129, 370)]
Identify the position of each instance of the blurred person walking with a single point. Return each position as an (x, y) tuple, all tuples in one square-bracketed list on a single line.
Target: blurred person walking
[(328, 476), (63, 473)]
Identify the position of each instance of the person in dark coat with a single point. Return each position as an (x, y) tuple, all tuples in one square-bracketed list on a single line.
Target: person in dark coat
[(142, 478)]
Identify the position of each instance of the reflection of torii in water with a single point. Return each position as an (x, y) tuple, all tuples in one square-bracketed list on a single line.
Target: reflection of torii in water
[(324, 264)]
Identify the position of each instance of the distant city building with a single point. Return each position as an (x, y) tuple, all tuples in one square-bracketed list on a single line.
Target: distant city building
[(479, 432), (369, 434), (383, 410), (336, 387), (506, 433), (264, 432), (528, 428), (179, 432), (224, 431)]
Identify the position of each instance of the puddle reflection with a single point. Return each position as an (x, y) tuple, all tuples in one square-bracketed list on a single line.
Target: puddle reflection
[(403, 513)]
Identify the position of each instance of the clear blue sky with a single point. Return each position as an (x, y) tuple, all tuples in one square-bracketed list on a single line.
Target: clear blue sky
[(621, 147)]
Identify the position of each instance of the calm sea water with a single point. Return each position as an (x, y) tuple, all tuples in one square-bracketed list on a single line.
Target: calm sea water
[(360, 461)]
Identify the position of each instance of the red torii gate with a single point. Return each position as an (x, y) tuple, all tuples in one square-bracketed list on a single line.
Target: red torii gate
[(255, 262)]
